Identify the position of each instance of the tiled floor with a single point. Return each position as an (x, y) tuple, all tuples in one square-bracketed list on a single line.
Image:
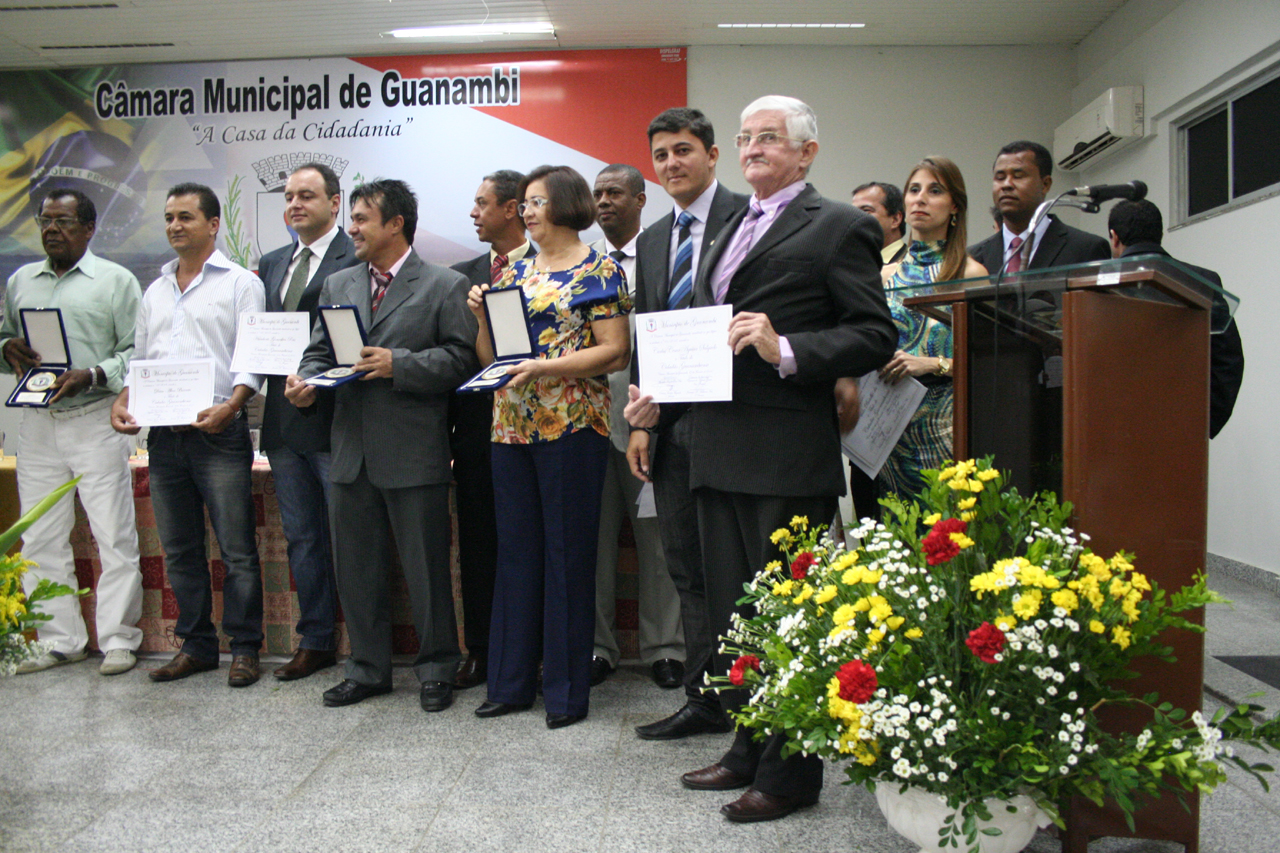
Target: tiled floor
[(120, 764)]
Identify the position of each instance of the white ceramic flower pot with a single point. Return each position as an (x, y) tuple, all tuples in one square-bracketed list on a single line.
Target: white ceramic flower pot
[(917, 816)]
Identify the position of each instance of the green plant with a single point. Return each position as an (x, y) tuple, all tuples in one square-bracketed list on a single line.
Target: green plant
[(966, 647), (19, 612), (237, 241)]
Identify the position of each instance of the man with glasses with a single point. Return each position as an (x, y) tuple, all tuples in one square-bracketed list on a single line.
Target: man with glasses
[(73, 436)]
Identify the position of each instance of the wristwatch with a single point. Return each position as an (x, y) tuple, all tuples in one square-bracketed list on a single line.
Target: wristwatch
[(944, 366)]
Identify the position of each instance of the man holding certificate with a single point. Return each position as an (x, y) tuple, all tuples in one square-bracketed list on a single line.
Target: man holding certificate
[(390, 467), (802, 274), (96, 302), (186, 331)]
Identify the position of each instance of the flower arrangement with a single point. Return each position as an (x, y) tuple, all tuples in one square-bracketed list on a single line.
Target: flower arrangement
[(19, 613), (965, 648)]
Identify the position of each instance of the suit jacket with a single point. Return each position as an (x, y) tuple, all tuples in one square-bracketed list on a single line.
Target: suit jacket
[(282, 424), (397, 428), (816, 274), (1226, 352), (1062, 245)]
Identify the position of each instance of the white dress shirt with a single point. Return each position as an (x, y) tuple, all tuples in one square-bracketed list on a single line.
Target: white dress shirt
[(319, 248), (1035, 247)]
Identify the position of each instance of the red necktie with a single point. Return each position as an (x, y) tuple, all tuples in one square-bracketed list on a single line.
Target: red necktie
[(381, 281), (495, 271), (1015, 260)]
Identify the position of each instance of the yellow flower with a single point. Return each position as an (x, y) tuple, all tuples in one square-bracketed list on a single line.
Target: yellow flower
[(874, 637), (932, 518), (862, 605), (1119, 588), (975, 486), (1120, 636), (960, 539), (784, 588), (947, 473), (547, 337), (781, 536), (914, 634), (1097, 627), (1096, 566), (844, 561), (1139, 581), (895, 622), (1130, 605), (987, 475), (880, 610), (805, 594), (1027, 605), (958, 484), (828, 592), (773, 566), (1066, 599), (965, 468), (799, 522), (1119, 564), (1004, 622), (967, 503)]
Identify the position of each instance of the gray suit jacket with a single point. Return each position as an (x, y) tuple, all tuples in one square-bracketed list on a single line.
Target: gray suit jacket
[(397, 428)]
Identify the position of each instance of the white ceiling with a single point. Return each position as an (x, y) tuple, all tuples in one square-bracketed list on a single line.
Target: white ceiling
[(63, 33)]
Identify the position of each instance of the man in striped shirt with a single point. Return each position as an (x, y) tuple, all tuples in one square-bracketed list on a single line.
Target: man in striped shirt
[(191, 311)]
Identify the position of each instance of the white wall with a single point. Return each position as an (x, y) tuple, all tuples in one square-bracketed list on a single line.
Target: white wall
[(1182, 59)]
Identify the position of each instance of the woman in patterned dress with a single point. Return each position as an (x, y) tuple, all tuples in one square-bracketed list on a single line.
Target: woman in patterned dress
[(550, 445), (936, 204)]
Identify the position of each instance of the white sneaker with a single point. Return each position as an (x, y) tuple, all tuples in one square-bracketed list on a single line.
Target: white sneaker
[(49, 660), (118, 661)]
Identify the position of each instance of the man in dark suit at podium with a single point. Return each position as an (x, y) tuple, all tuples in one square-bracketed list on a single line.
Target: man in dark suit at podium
[(298, 446), (470, 423), (682, 144), (1021, 179), (1136, 228)]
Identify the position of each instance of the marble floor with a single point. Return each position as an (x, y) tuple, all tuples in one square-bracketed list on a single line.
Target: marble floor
[(121, 764)]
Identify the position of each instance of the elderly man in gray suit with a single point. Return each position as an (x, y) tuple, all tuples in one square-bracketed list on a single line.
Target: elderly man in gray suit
[(390, 467)]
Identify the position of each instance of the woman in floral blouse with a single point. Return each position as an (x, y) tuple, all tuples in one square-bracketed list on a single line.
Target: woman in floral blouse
[(550, 434)]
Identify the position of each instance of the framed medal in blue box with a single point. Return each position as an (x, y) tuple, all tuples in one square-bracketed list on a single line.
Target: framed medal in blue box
[(45, 333), (507, 313), (345, 334)]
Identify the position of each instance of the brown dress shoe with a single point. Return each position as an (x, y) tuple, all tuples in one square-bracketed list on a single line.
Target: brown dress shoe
[(717, 777), (305, 662), (756, 806), (243, 672), (474, 671), (181, 666)]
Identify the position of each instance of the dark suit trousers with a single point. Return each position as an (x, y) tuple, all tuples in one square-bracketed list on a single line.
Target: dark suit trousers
[(735, 546), (548, 497), (470, 425), (365, 519), (678, 527)]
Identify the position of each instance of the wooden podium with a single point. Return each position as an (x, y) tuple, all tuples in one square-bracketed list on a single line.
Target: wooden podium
[(1093, 381)]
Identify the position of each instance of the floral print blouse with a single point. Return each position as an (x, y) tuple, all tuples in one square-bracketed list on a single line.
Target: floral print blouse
[(561, 307)]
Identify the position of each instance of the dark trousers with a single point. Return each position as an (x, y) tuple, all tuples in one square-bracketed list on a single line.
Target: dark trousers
[(735, 546), (192, 471), (547, 495), (470, 425), (302, 491), (678, 526), (366, 520)]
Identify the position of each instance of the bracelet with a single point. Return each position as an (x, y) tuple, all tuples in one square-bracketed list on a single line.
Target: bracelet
[(93, 378)]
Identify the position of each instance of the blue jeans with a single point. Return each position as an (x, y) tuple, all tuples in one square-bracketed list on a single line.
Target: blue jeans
[(302, 491), (192, 471)]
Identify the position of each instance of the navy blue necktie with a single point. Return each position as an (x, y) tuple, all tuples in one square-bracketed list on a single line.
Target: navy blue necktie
[(682, 275)]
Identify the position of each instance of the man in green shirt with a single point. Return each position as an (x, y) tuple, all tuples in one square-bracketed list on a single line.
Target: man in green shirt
[(73, 436)]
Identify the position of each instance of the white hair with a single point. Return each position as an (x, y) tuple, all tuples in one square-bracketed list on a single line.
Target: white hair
[(802, 124)]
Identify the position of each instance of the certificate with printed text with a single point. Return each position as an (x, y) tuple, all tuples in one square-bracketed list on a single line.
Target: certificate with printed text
[(885, 410), (684, 356), (271, 343), (169, 393)]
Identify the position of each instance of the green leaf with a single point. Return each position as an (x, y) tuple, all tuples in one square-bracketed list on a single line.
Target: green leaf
[(20, 526)]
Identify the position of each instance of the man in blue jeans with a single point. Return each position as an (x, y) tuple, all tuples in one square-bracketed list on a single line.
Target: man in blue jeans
[(191, 312)]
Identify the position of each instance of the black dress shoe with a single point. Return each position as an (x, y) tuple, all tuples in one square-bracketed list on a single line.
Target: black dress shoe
[(350, 692), (436, 695), (668, 674), (687, 721), (500, 709), (559, 721), (756, 806), (600, 670), (474, 670), (717, 777)]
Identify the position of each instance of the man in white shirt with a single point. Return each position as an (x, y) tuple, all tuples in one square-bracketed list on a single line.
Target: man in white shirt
[(619, 195), (191, 312)]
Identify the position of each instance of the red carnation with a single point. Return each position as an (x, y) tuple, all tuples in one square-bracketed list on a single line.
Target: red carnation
[(986, 641), (857, 682), (938, 547), (740, 666), (800, 566)]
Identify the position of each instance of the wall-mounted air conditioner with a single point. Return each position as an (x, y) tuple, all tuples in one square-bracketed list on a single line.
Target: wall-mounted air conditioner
[(1110, 123)]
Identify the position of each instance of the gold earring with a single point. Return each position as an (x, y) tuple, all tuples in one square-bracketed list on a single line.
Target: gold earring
[(953, 220)]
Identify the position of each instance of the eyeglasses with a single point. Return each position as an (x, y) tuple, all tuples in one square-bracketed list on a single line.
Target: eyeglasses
[(767, 138), (62, 223), (537, 202)]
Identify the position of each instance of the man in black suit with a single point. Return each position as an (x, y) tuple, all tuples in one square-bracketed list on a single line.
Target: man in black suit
[(390, 471), (1022, 176), (884, 202), (803, 276), (470, 423), (683, 146), (1136, 228), (298, 447)]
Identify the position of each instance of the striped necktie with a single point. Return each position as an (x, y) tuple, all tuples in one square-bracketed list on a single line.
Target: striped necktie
[(682, 275), (381, 281), (495, 271), (743, 240)]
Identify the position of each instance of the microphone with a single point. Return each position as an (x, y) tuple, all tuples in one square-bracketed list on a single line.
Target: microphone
[(1133, 191)]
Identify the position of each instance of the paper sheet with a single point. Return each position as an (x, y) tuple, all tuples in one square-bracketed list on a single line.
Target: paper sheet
[(169, 393), (684, 356), (885, 412), (271, 343)]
